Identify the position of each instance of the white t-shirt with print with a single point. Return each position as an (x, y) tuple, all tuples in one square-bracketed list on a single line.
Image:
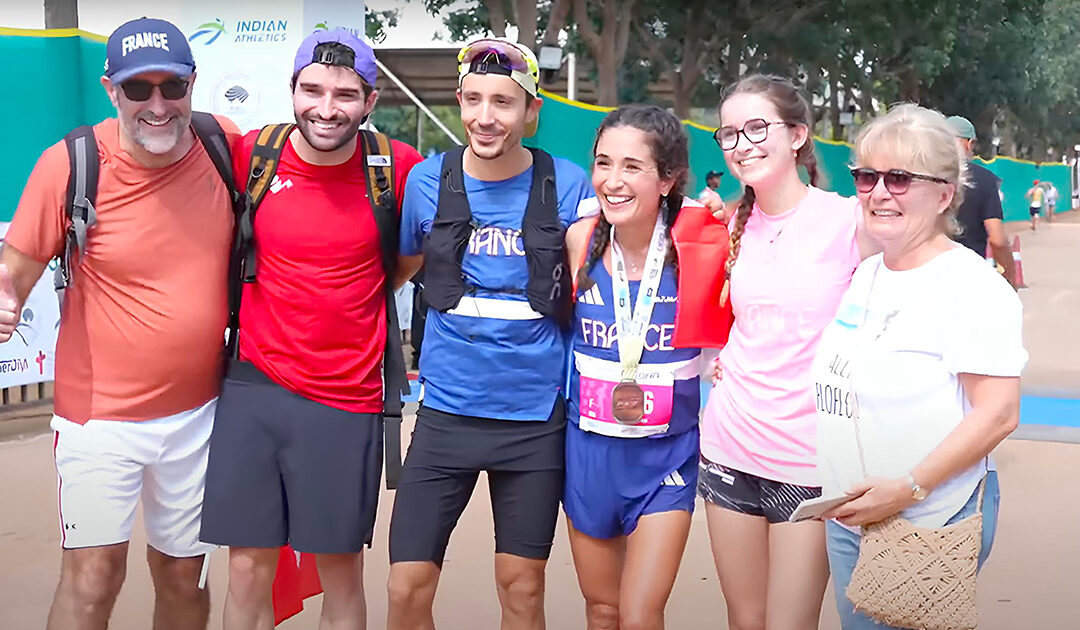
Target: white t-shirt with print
[(899, 340)]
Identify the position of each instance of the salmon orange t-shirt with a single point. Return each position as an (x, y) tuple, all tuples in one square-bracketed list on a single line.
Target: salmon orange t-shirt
[(142, 329)]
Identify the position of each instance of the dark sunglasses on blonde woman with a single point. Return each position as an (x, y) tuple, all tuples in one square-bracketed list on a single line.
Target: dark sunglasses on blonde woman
[(897, 181)]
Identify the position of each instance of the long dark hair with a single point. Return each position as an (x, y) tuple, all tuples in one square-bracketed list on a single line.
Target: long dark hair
[(670, 150), (793, 108)]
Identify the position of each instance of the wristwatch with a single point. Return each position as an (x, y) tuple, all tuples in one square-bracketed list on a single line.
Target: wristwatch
[(917, 492)]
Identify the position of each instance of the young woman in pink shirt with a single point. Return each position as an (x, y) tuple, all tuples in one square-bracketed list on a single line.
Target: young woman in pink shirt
[(794, 248)]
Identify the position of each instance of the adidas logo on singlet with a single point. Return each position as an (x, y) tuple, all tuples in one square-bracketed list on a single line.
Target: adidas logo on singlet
[(593, 296)]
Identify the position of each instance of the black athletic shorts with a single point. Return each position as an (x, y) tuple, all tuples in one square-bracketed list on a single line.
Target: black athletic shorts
[(286, 469), (749, 494), (524, 462)]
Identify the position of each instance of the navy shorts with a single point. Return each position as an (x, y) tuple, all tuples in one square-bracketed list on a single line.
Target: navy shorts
[(612, 482), (524, 465), (749, 494), (286, 469)]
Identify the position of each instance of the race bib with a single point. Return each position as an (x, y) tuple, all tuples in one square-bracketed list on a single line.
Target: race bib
[(597, 381)]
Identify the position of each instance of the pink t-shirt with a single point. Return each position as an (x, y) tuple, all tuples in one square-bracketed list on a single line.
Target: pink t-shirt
[(786, 285)]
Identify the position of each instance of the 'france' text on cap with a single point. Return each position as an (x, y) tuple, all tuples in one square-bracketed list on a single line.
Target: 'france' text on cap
[(144, 40)]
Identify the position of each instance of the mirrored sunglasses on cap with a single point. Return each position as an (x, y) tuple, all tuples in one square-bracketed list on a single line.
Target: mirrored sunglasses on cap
[(495, 54)]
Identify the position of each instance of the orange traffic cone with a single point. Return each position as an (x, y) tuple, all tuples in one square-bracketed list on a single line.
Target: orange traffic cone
[(1019, 261)]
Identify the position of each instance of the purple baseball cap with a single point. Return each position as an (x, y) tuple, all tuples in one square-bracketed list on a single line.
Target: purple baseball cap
[(363, 58)]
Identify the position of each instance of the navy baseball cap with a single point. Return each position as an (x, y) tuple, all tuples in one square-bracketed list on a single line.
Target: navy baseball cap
[(147, 45), (362, 60)]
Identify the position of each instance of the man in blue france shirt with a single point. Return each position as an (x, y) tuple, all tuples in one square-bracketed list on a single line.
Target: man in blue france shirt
[(493, 368)]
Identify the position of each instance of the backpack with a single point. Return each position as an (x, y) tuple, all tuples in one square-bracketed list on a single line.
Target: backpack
[(379, 160), (83, 181)]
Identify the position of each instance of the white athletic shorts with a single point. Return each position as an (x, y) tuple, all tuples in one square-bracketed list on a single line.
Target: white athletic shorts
[(103, 466)]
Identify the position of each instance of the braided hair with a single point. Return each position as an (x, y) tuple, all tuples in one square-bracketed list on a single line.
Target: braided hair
[(793, 108), (669, 147)]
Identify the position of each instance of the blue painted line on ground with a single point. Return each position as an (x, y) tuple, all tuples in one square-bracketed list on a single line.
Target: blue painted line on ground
[(414, 392), (1045, 410), (1034, 410)]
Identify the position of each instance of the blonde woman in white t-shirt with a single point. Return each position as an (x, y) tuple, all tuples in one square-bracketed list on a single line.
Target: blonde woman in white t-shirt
[(926, 346)]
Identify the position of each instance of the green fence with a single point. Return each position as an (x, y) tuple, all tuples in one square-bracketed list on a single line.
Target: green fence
[(55, 78)]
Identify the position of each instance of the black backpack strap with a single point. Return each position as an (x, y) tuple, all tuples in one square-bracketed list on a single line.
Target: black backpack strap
[(265, 157), (549, 288), (79, 207), (446, 242), (213, 139), (379, 161)]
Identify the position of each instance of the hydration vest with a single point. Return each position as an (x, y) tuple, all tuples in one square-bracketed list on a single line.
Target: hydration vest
[(542, 234)]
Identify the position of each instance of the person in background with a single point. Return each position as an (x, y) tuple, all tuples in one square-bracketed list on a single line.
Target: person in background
[(1035, 196), (1051, 201), (980, 215), (710, 194)]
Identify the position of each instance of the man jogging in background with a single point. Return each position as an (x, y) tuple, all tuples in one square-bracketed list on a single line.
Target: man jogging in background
[(139, 350), (1035, 196), (488, 221), (980, 215), (296, 455)]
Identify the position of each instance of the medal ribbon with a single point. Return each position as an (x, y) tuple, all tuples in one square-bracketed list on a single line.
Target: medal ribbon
[(632, 327)]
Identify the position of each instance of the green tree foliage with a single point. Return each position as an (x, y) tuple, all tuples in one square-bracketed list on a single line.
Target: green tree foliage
[(1005, 64), (400, 123)]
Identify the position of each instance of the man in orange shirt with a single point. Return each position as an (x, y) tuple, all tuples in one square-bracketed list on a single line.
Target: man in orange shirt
[(141, 336)]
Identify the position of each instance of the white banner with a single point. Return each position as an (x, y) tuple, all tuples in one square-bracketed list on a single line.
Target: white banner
[(244, 52), (29, 356)]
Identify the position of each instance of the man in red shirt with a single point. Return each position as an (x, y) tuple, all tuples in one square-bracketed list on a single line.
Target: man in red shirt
[(296, 453)]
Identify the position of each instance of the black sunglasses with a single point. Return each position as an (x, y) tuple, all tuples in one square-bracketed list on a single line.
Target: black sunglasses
[(897, 181), (139, 90)]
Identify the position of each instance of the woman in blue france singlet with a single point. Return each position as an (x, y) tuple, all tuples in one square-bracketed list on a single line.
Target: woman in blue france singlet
[(632, 439)]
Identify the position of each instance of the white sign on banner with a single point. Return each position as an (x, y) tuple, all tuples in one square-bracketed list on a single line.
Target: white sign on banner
[(30, 354), (244, 52)]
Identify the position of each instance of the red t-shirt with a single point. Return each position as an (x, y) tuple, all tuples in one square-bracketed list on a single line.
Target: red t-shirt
[(314, 321)]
